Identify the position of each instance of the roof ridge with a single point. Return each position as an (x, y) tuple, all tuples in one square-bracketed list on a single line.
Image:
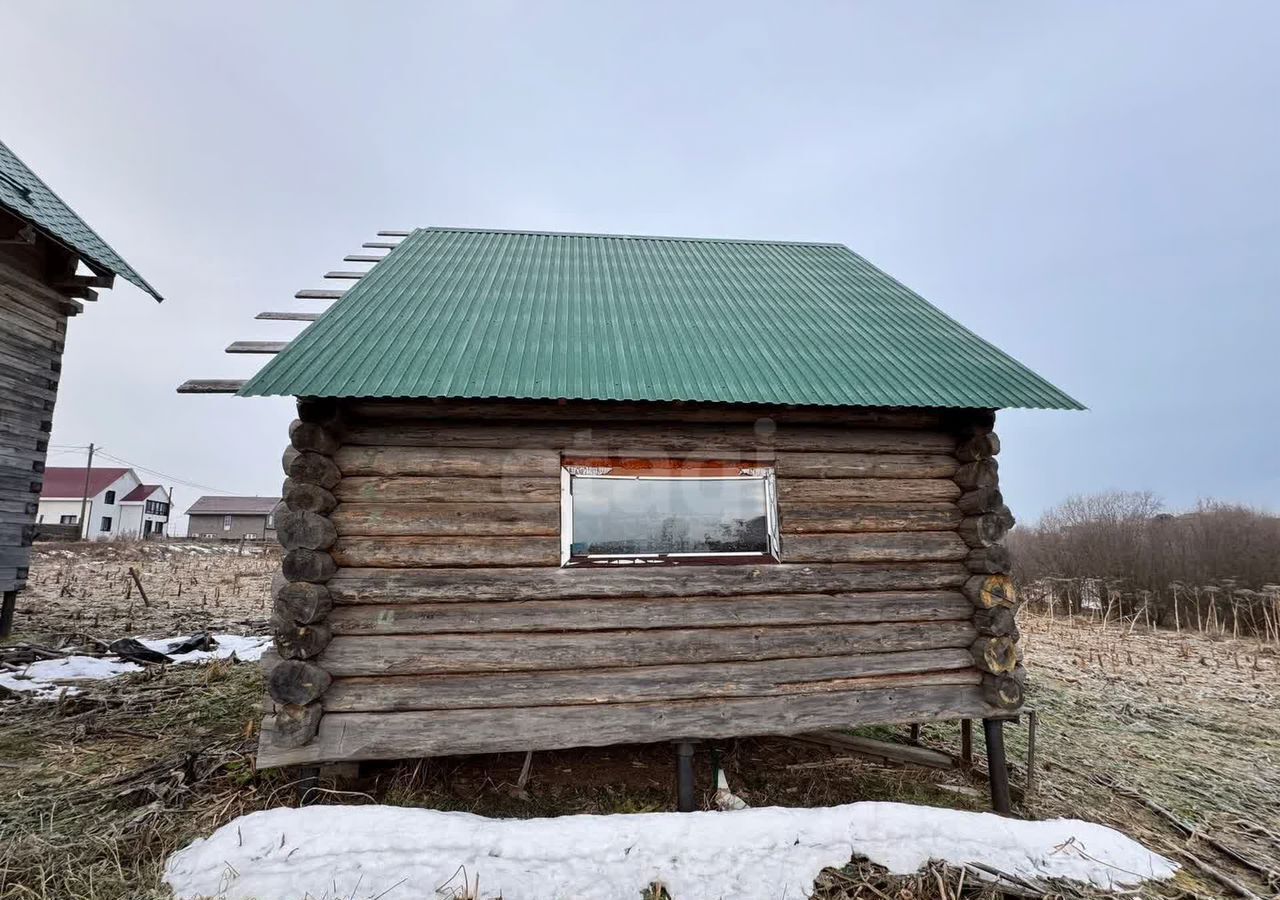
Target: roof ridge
[(635, 237)]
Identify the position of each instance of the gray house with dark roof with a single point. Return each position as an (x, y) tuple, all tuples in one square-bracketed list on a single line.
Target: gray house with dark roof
[(43, 245), (232, 518)]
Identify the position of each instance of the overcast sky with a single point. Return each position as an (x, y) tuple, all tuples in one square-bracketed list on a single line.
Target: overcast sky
[(1094, 187)]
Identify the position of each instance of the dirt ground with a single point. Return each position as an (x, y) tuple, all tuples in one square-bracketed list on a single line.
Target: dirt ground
[(1137, 730)]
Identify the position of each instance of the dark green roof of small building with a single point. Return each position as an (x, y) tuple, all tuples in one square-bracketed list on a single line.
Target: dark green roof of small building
[(26, 196), (466, 313)]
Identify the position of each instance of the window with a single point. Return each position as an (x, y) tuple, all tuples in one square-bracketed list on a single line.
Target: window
[(68, 520), (110, 497), (271, 520), (637, 511), (250, 536), (105, 525), (211, 535), (226, 523)]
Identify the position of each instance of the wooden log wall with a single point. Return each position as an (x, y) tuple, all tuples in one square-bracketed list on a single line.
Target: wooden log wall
[(422, 608)]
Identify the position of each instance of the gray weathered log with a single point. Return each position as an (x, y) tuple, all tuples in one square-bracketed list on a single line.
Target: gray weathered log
[(295, 682), (981, 500), (301, 602), (436, 519), (1003, 691), (314, 437), (990, 560), (415, 488), (997, 655), (987, 591), (447, 462), (302, 497), (292, 727), (978, 446), (298, 641), (985, 530), (303, 530), (904, 546), (287, 458), (413, 552), (591, 614), (810, 517), (441, 653), (313, 468), (768, 678), (998, 621), (416, 734), (308, 565), (542, 583), (865, 465), (894, 490), (982, 473)]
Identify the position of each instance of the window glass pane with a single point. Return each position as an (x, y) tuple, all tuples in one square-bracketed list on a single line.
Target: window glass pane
[(669, 515)]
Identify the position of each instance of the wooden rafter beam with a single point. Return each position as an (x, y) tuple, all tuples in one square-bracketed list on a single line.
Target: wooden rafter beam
[(399, 234), (362, 257), (318, 295), (86, 281), (349, 276), (379, 245), (211, 386), (256, 346), (288, 316)]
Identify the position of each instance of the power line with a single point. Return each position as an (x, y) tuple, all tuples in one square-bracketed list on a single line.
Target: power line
[(173, 478)]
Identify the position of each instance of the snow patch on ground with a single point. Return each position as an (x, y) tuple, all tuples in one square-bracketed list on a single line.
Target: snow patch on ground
[(758, 854), (48, 678)]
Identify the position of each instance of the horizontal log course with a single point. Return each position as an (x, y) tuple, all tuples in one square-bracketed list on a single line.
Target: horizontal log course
[(309, 467), (817, 517), (867, 489), (301, 601), (302, 497), (314, 437), (903, 546), (987, 591), (982, 445), (308, 565), (392, 410), (368, 585), (990, 560), (511, 652), (980, 500), (618, 439), (768, 678), (296, 682), (414, 734), (413, 552), (398, 488), (433, 519), (865, 465), (292, 726), (978, 475), (303, 530), (591, 614), (294, 640), (997, 655), (447, 461)]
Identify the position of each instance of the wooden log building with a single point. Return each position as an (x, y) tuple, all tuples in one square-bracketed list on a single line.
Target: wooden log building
[(42, 245), (557, 490)]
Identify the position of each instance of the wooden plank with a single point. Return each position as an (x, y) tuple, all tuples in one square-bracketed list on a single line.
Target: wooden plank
[(892, 490), (211, 386), (413, 734), (353, 585), (512, 652), (380, 245), (412, 552), (808, 517), (312, 294), (349, 276), (395, 234), (595, 411), (446, 461), (620, 438), (288, 316), (866, 465), (256, 346), (766, 678), (894, 546), (590, 614), (363, 258), (863, 746), (437, 519), (393, 489)]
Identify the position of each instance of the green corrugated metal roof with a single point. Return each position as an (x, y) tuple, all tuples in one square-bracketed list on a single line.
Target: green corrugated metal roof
[(469, 313), (26, 196)]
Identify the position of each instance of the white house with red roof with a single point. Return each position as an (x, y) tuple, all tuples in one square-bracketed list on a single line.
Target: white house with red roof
[(118, 504)]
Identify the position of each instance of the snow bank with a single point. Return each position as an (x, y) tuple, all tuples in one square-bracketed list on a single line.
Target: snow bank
[(45, 679), (759, 854)]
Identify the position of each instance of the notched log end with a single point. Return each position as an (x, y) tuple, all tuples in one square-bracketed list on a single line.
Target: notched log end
[(315, 566), (301, 601), (987, 591), (309, 467), (295, 682), (313, 437), (302, 497), (997, 655), (295, 725), (295, 641), (303, 530)]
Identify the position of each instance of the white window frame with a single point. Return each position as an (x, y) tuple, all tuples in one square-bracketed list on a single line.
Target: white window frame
[(772, 555), (226, 522)]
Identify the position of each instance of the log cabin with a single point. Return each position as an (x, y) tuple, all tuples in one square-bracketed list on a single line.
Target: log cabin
[(561, 490), (43, 244)]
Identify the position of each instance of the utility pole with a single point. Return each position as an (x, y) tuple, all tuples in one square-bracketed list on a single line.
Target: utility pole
[(168, 514), (84, 500)]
